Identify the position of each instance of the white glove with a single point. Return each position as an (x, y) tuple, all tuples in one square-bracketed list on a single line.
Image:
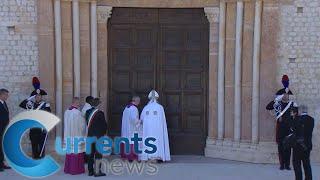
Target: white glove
[(287, 90), (31, 98), (29, 105), (278, 98)]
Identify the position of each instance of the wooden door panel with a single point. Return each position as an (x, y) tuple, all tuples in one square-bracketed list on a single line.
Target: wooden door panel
[(144, 81), (144, 59), (194, 39), (172, 103), (183, 71), (194, 59), (121, 58), (193, 81), (172, 80), (172, 59), (145, 38), (165, 49), (122, 81), (193, 103), (124, 36), (173, 38)]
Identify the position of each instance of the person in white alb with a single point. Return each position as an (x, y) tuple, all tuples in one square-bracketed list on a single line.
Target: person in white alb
[(131, 124), (155, 126), (74, 127)]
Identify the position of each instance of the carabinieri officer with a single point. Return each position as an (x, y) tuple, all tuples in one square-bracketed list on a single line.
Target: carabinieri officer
[(37, 136)]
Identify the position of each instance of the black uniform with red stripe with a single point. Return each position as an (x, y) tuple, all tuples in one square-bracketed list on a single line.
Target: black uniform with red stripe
[(282, 130), (37, 135)]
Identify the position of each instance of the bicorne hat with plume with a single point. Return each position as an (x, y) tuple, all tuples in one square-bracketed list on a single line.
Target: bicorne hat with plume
[(37, 90), (285, 83)]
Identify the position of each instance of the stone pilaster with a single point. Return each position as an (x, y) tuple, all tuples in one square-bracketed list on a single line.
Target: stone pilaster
[(237, 72), (94, 50), (103, 14), (76, 47), (221, 70), (212, 14), (256, 72), (58, 62)]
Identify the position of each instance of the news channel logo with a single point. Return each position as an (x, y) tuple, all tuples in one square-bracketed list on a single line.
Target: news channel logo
[(12, 150)]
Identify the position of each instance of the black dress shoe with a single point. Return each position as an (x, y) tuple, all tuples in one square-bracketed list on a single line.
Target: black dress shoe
[(281, 168), (288, 168), (99, 174), (90, 174), (6, 167)]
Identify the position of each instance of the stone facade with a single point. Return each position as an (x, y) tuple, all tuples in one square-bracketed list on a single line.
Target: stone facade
[(290, 41), (299, 56), (18, 49)]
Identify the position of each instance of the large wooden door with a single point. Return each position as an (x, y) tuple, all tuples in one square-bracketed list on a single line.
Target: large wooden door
[(166, 50)]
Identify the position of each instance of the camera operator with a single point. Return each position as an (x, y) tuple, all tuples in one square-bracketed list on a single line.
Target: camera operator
[(301, 127)]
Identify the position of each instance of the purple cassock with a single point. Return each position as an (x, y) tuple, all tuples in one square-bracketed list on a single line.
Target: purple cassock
[(132, 156), (74, 164)]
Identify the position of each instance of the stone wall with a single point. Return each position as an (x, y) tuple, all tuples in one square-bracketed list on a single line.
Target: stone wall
[(299, 56), (18, 49)]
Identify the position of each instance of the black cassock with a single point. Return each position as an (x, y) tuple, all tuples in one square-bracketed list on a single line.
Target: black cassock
[(97, 127), (37, 135), (282, 130)]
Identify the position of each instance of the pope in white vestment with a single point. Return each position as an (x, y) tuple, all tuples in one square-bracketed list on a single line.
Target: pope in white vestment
[(74, 126), (155, 126), (131, 124)]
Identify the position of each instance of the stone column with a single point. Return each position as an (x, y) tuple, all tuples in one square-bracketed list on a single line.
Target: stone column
[(221, 59), (212, 14), (256, 71), (94, 51), (58, 62), (76, 47), (237, 73)]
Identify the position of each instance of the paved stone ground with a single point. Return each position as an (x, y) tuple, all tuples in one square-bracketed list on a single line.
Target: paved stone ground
[(192, 168)]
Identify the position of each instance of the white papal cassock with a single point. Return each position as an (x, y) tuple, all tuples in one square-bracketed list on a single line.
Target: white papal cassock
[(155, 125)]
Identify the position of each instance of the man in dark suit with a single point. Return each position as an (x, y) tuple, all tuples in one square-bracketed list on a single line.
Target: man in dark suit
[(97, 127), (4, 121), (301, 153)]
